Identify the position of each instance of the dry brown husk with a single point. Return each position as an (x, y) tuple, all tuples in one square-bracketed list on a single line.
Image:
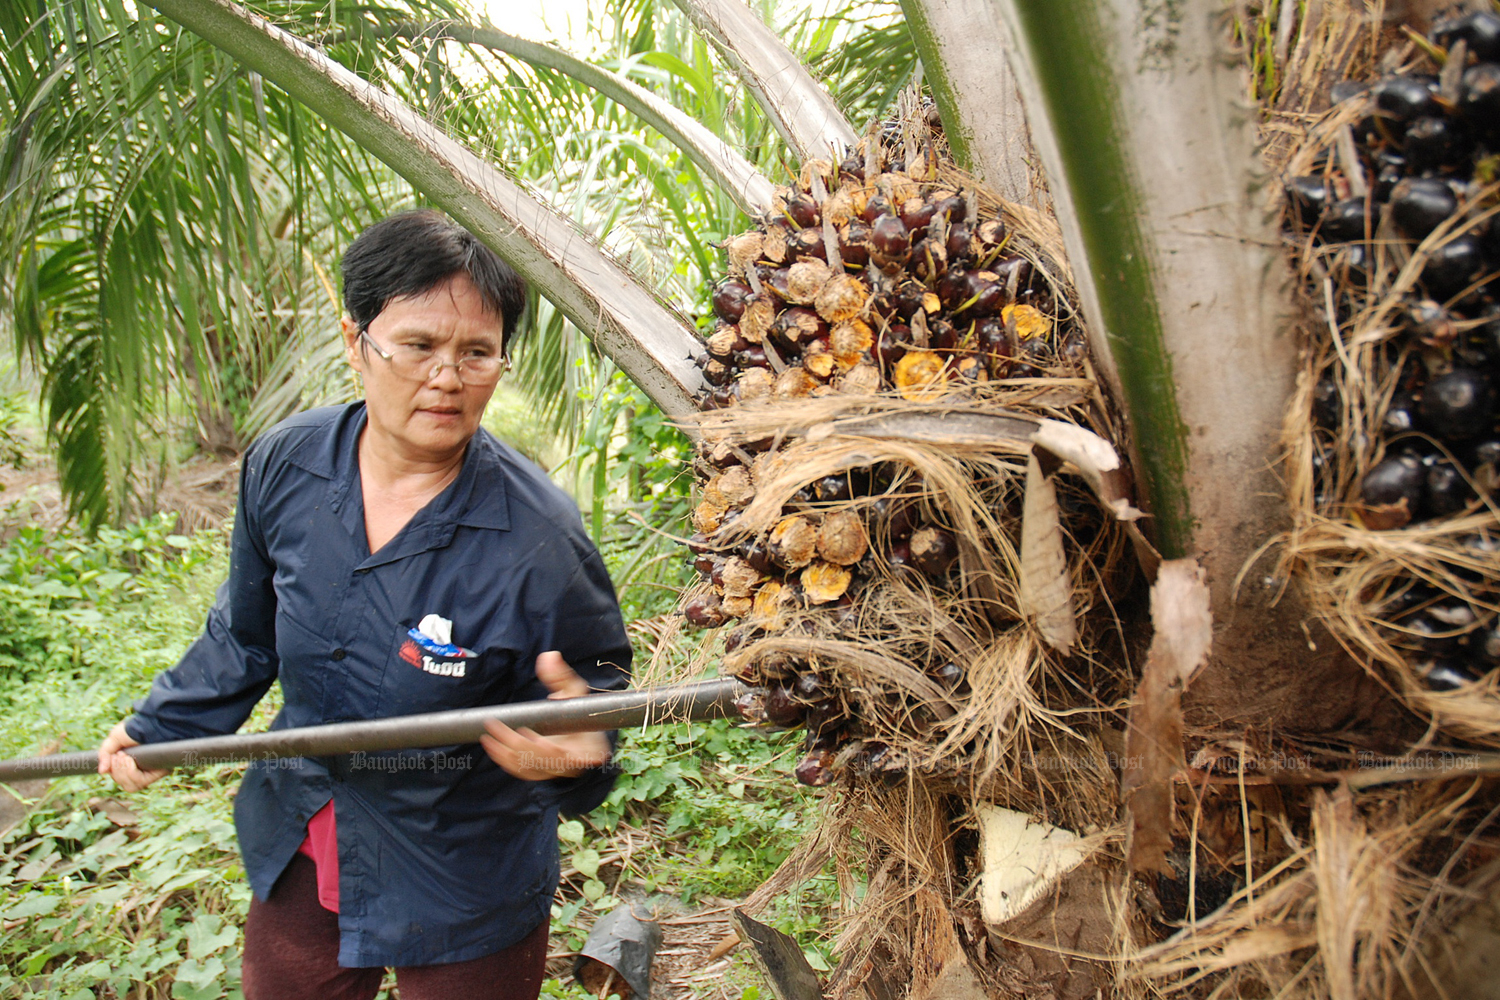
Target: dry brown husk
[(907, 623)]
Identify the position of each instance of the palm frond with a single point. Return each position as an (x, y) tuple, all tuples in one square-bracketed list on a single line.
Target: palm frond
[(802, 111)]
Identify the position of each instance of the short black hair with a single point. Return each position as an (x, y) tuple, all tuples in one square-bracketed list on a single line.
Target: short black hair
[(415, 252)]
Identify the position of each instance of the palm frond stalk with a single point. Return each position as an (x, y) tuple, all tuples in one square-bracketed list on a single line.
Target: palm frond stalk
[(959, 41), (647, 340), (751, 190), (798, 106)]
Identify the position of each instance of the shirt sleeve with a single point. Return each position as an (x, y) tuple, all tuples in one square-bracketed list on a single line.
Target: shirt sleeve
[(586, 627), (218, 681)]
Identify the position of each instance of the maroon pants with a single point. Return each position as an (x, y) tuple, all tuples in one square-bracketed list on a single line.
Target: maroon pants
[(292, 953)]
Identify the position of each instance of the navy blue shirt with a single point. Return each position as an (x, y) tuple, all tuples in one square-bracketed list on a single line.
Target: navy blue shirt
[(443, 856)]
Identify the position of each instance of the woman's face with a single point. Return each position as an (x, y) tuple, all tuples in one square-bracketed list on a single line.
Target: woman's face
[(432, 420)]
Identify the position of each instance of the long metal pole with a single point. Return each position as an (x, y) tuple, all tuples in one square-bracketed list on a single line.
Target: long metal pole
[(711, 699)]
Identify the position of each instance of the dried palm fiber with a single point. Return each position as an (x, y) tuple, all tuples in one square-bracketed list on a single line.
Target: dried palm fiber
[(1340, 912), (905, 621)]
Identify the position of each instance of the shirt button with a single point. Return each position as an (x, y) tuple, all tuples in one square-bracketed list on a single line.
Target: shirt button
[(338, 654)]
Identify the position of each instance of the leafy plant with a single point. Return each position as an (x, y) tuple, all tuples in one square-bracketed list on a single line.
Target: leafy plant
[(54, 589)]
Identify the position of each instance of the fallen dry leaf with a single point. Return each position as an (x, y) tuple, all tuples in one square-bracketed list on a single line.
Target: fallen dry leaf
[(1153, 746), (1046, 591), (115, 811)]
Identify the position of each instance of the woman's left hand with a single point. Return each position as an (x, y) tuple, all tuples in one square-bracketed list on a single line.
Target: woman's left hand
[(531, 757)]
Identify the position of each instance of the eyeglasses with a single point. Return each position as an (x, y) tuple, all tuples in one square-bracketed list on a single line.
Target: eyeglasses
[(421, 364)]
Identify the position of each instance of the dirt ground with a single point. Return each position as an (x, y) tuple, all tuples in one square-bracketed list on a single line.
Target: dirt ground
[(200, 491)]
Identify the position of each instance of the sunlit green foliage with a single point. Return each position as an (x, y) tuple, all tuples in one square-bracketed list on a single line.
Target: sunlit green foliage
[(170, 225)]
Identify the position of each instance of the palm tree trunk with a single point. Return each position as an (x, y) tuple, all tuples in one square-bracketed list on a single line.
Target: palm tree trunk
[(1140, 116)]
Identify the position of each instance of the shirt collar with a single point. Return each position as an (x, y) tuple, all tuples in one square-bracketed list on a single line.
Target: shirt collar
[(476, 498)]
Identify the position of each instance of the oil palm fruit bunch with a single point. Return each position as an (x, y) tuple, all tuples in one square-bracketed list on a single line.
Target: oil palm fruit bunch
[(874, 275), (1414, 192), (1427, 151)]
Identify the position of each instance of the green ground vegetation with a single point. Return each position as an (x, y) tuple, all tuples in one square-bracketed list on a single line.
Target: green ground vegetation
[(110, 895)]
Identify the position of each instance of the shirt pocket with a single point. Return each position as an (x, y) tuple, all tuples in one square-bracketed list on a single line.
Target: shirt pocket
[(420, 679)]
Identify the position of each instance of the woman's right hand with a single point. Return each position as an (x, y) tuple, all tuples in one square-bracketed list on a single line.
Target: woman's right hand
[(121, 766)]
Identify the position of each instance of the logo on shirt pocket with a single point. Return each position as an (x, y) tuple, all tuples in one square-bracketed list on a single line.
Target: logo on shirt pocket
[(430, 648)]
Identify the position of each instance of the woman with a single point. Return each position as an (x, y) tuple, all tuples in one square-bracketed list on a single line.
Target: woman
[(392, 557)]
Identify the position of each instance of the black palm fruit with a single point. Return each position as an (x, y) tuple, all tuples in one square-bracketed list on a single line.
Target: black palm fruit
[(1308, 197), (832, 488), (854, 246), (1484, 646), (1445, 673), (1014, 272), (802, 210), (1459, 405), (986, 294), (1480, 102), (753, 356), (1434, 143), (892, 346), (1454, 267), (1447, 491), (953, 287), (1432, 323), (1400, 415), (942, 335), (1327, 404), (994, 344), (1453, 612), (889, 236), (1406, 98), (1428, 633), (1344, 222), (1480, 30), (1485, 469), (1487, 452), (1354, 263), (1398, 478), (960, 243), (1420, 204), (729, 299), (908, 299), (1386, 179), (1477, 348)]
